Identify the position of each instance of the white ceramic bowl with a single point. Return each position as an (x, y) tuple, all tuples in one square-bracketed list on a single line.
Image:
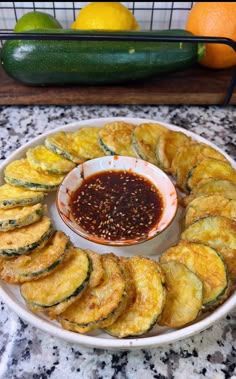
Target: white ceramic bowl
[(81, 173), (158, 336)]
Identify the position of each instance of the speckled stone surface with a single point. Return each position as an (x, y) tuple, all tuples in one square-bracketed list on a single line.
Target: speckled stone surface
[(28, 353)]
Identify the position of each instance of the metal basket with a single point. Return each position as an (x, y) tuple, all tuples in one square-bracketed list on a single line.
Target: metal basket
[(150, 16)]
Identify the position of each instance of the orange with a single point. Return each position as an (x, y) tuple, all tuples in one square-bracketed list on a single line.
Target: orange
[(216, 19)]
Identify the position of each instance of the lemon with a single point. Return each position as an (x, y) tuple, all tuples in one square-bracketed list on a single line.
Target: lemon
[(105, 16), (36, 20)]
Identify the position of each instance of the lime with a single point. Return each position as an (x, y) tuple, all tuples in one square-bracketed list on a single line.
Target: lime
[(36, 20)]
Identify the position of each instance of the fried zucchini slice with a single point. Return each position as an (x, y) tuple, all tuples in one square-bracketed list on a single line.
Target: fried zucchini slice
[(218, 232), (211, 186), (144, 140), (55, 292), (210, 205), (86, 143), (38, 263), (188, 156), (12, 196), (2, 262), (98, 271), (20, 216), (23, 240), (145, 309), (101, 305), (184, 294), (115, 138), (206, 263), (166, 147), (63, 143), (210, 168), (42, 159), (19, 173)]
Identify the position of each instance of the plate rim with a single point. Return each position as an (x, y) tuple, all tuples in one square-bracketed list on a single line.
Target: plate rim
[(110, 343)]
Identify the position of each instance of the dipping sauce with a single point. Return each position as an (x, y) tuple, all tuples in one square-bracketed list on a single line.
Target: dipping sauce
[(117, 205)]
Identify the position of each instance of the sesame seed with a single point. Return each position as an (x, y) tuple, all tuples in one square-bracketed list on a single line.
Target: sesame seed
[(116, 205)]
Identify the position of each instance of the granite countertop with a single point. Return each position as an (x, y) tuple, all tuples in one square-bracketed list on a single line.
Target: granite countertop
[(28, 353)]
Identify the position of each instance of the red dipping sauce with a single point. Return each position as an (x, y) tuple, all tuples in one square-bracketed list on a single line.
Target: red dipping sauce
[(117, 205)]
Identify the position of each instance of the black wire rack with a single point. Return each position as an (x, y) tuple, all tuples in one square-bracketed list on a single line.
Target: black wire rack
[(151, 16)]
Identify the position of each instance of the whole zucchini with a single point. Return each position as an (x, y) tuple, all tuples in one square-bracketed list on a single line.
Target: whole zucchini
[(91, 62)]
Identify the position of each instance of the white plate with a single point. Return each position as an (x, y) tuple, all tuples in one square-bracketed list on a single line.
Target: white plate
[(159, 335)]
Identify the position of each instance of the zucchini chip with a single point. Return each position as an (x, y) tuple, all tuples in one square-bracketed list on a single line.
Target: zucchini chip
[(115, 138), (218, 232), (63, 144), (211, 186), (86, 143), (37, 264), (206, 263), (101, 305), (144, 140), (20, 216), (98, 271), (42, 159), (149, 299), (55, 292), (166, 147), (2, 263), (19, 173), (188, 156), (183, 295), (210, 168), (23, 240), (12, 196), (210, 205)]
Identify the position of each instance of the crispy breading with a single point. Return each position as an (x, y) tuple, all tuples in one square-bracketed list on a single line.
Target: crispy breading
[(218, 232), (38, 263), (115, 138), (184, 293), (101, 305), (211, 186), (25, 239), (144, 140), (54, 293), (206, 263), (20, 173), (166, 147), (210, 205), (210, 168), (188, 156), (143, 312), (12, 196), (20, 216), (98, 271), (42, 159), (86, 143), (62, 143)]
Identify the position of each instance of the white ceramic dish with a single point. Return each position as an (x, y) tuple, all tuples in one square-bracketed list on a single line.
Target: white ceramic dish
[(76, 177), (159, 335)]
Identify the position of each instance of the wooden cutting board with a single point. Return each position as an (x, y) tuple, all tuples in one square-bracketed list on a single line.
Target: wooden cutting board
[(195, 86)]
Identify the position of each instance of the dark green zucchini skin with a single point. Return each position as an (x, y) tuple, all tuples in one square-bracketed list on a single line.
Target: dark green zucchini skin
[(90, 62)]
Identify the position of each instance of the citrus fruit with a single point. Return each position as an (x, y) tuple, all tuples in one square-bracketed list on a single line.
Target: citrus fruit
[(216, 19), (36, 20), (105, 16)]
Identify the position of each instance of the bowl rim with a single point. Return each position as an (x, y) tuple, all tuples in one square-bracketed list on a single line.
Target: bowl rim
[(156, 230)]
